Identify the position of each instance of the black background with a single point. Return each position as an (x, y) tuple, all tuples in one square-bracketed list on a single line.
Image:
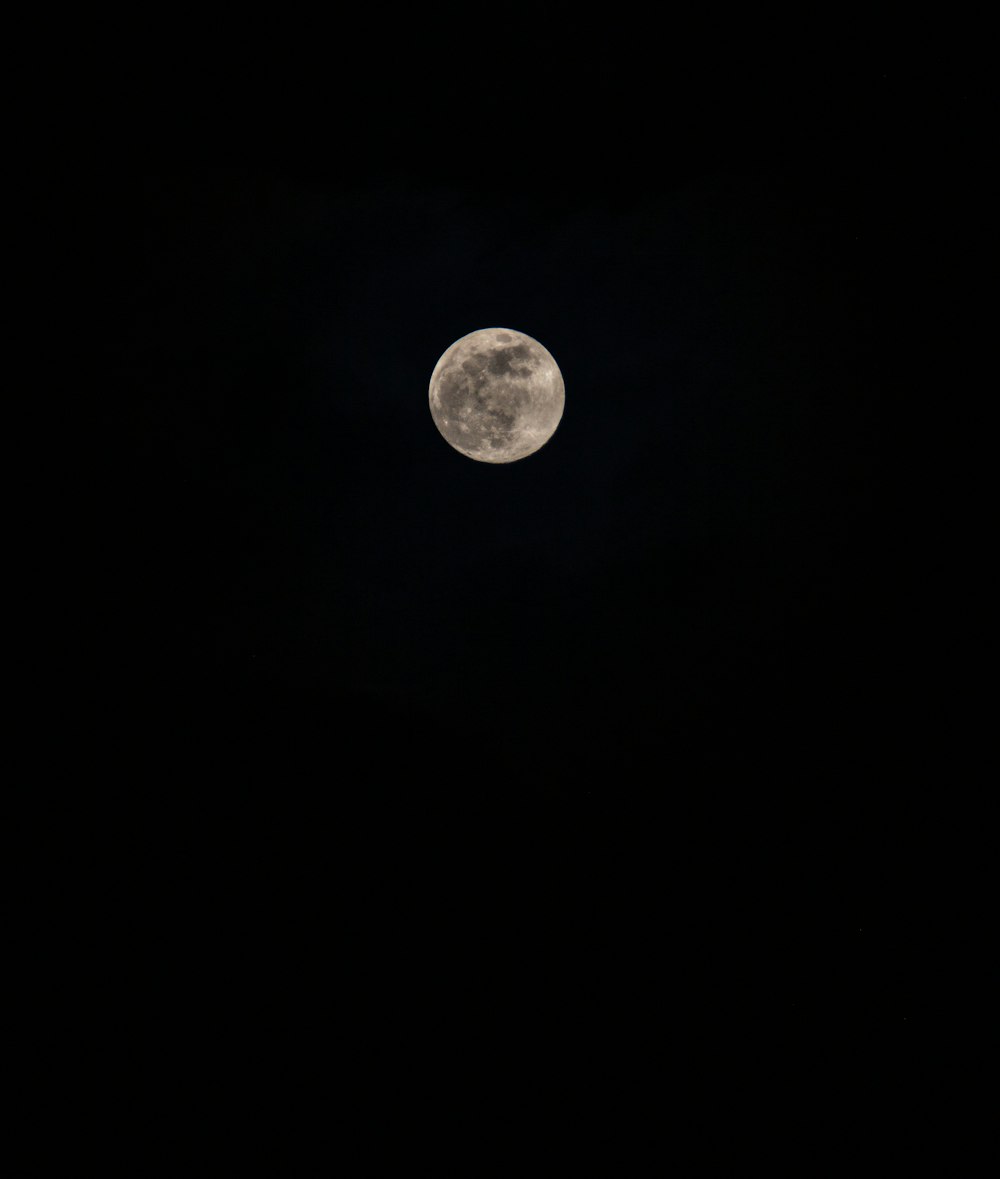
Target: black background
[(640, 741)]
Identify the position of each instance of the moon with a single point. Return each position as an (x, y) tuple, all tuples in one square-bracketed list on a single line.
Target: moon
[(497, 395)]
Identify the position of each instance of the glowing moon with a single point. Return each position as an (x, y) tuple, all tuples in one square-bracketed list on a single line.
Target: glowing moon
[(497, 395)]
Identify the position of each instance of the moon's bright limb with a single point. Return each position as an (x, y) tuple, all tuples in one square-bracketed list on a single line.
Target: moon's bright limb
[(497, 395)]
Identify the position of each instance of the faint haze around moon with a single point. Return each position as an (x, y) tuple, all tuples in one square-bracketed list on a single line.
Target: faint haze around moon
[(497, 395)]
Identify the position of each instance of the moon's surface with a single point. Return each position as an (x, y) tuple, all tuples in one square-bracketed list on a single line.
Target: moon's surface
[(497, 395)]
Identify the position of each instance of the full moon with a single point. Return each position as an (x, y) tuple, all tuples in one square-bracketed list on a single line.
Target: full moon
[(497, 395)]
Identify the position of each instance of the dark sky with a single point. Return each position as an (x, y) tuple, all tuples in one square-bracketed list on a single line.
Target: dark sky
[(649, 696)]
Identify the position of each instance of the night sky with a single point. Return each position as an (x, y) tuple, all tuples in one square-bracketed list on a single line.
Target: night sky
[(618, 741)]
